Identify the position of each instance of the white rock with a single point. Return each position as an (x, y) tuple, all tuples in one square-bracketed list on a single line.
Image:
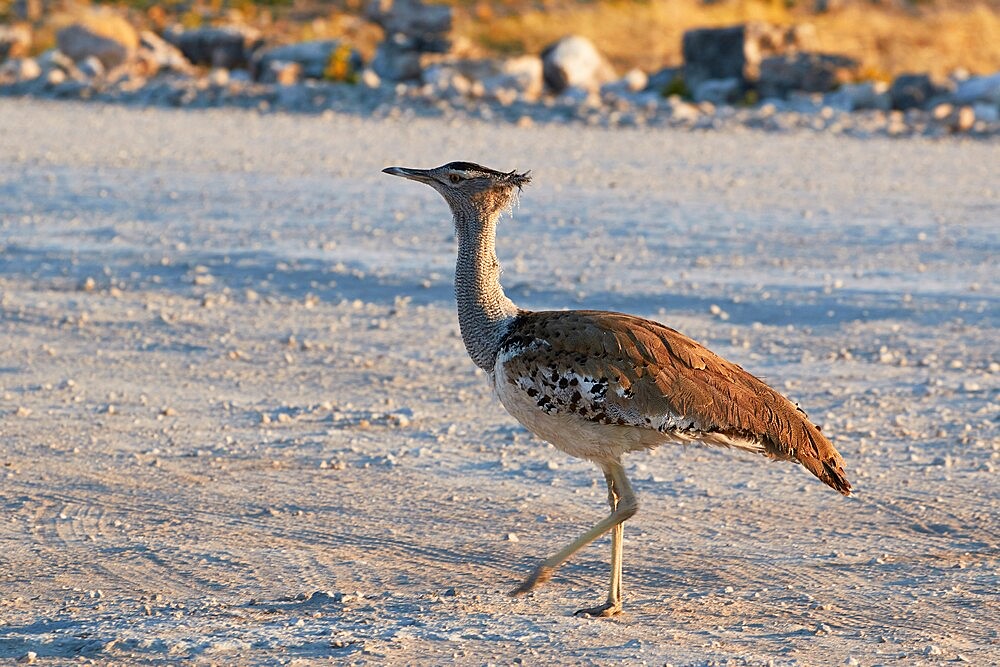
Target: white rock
[(684, 111), (55, 77), (636, 80), (963, 119), (370, 79), (574, 61), (219, 76)]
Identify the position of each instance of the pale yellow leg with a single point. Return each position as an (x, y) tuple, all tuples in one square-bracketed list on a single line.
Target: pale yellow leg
[(623, 505), (613, 605)]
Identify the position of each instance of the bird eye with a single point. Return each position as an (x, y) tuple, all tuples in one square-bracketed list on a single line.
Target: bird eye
[(454, 178)]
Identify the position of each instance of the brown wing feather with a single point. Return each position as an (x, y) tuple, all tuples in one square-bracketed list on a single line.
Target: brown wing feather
[(661, 370)]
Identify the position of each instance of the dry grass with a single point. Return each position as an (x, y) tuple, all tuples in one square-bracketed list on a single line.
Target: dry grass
[(938, 42), (887, 41)]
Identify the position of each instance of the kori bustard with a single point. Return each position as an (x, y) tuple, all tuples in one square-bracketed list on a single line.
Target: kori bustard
[(600, 384)]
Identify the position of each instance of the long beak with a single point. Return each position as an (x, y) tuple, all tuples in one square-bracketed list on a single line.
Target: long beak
[(420, 175)]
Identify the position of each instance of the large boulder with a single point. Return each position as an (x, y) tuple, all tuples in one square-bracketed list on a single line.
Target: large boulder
[(423, 28), (804, 72), (411, 29), (737, 51), (15, 41), (102, 34), (79, 43), (914, 91), (330, 58), (713, 53), (575, 62), (985, 89), (396, 62), (228, 47)]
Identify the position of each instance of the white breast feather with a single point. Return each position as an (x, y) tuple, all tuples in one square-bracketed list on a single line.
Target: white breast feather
[(570, 410)]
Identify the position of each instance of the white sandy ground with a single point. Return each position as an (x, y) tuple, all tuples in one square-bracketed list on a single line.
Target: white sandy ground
[(238, 425)]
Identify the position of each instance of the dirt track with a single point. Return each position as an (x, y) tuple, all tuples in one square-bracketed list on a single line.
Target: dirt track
[(237, 424)]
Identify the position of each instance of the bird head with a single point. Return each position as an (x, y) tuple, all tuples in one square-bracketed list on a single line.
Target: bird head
[(469, 188)]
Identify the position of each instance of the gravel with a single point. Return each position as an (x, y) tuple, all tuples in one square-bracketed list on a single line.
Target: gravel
[(614, 108), (187, 527)]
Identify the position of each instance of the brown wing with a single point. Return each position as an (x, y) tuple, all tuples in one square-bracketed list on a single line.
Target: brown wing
[(641, 373)]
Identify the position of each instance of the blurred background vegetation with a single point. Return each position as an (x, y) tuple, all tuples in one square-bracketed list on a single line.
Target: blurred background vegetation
[(888, 37)]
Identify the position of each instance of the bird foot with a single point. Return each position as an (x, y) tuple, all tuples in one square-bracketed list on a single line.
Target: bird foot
[(539, 576), (605, 610)]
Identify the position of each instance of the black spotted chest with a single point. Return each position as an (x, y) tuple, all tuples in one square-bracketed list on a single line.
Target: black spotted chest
[(557, 390)]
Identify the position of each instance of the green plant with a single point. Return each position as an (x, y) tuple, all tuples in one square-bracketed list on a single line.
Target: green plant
[(341, 66), (677, 86)]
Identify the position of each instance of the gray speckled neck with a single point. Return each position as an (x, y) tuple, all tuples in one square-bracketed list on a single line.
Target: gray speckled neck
[(484, 311)]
